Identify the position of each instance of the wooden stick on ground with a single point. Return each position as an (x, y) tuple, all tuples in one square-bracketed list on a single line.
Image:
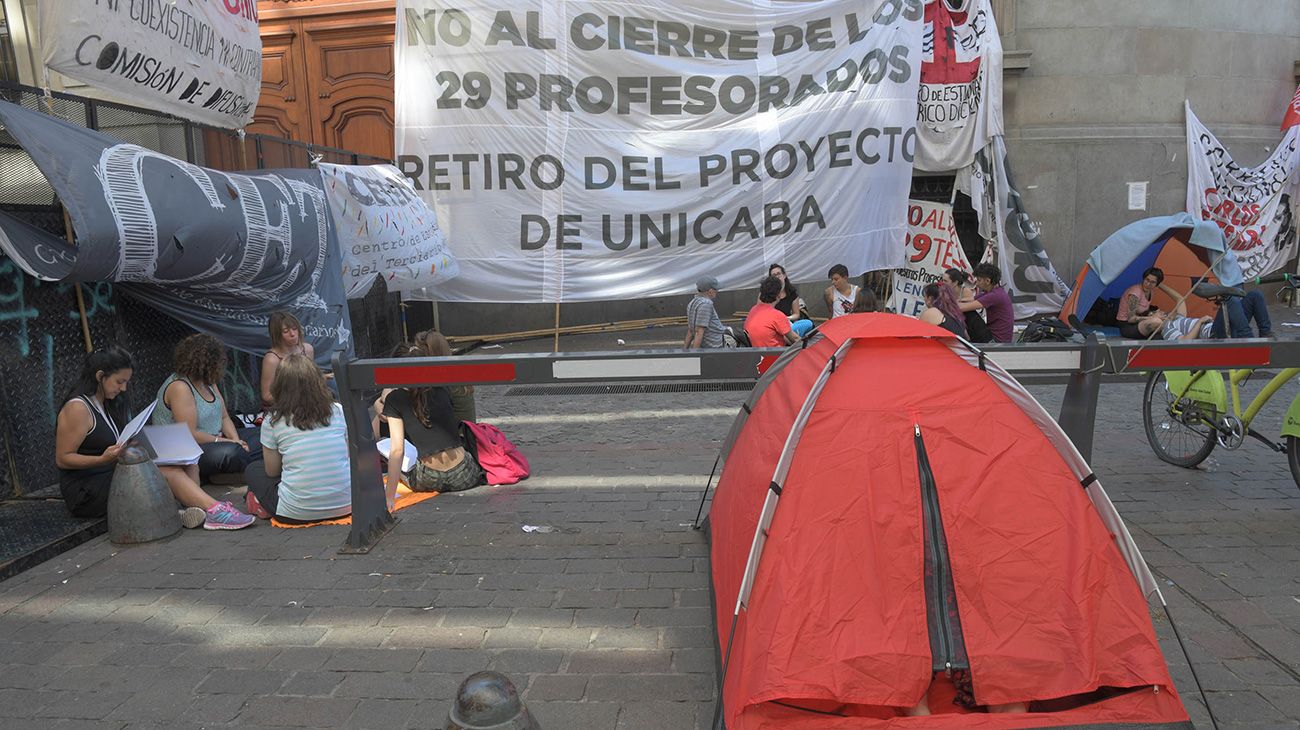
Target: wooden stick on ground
[(581, 329)]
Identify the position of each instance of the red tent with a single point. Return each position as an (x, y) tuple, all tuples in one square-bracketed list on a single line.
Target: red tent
[(891, 505)]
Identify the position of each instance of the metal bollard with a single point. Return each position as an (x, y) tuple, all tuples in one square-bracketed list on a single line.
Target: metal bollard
[(488, 701), (141, 507)]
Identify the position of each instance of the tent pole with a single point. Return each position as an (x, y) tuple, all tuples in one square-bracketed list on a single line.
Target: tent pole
[(718, 722), (81, 297), (704, 497), (1178, 635), (437, 324)]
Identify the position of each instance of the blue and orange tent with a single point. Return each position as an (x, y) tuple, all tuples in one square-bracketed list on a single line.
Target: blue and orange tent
[(1186, 249)]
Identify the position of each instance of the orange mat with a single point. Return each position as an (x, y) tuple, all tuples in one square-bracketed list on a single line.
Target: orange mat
[(405, 498)]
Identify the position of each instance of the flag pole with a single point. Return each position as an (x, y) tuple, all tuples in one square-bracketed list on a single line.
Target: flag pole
[(556, 347)]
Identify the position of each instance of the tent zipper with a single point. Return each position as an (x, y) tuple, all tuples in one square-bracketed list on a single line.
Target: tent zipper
[(940, 578)]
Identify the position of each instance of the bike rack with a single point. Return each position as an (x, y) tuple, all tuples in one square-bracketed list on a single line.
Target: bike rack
[(1085, 364)]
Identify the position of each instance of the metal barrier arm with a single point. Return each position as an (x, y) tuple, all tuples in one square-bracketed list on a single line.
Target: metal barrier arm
[(638, 365), (1126, 356)]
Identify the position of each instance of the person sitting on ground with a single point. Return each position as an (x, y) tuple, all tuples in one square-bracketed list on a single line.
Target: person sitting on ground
[(942, 310), (86, 431), (86, 450), (425, 417), (995, 302), (703, 326), (766, 326), (866, 301), (1137, 317), (286, 339), (463, 407), (962, 290), (191, 396), (304, 475), (841, 294), (790, 303), (1178, 325)]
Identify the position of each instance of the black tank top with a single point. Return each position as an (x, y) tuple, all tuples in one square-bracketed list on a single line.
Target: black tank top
[(102, 435), (954, 326)]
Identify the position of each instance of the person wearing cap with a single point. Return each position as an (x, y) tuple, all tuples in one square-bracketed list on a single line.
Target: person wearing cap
[(703, 326)]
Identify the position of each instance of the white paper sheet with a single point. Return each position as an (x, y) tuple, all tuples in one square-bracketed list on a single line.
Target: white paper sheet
[(136, 424), (173, 444), (409, 456)]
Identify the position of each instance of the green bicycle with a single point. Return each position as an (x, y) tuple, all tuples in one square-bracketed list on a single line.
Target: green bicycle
[(1187, 413)]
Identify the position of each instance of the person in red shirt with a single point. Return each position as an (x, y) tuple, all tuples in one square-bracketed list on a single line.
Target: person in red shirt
[(764, 324)]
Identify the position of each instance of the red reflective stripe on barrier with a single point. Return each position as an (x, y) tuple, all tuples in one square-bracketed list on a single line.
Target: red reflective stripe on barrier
[(1207, 357), (434, 374), (766, 362)]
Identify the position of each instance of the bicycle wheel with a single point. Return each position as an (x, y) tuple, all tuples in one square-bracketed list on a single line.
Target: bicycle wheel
[(1293, 457), (1178, 430)]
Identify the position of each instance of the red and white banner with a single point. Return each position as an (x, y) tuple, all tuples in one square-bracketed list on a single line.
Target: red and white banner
[(959, 105), (1256, 206), (1292, 116), (932, 248)]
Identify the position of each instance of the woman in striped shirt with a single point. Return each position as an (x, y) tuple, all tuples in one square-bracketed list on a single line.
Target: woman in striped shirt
[(304, 475)]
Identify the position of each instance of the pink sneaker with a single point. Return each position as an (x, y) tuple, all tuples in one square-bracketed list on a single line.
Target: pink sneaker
[(254, 507), (224, 516)]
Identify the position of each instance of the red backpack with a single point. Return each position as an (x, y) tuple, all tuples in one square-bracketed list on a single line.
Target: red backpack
[(501, 460)]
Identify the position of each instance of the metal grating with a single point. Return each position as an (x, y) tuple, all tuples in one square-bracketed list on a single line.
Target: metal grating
[(631, 388), (34, 531)]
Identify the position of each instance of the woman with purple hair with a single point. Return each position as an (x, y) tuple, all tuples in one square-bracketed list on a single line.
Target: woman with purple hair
[(942, 310)]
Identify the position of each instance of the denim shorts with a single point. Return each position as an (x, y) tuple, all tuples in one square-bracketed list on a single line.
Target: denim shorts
[(465, 475)]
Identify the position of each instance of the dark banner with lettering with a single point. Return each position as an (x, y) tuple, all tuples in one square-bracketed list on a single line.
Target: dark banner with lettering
[(219, 251), (1027, 271)]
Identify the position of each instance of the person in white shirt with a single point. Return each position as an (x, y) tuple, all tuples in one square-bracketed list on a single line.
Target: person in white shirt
[(842, 293)]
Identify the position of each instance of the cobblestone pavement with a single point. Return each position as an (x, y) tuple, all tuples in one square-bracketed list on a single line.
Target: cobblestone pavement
[(603, 622)]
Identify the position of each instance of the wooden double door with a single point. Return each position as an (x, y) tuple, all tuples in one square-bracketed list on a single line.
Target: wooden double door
[(327, 76)]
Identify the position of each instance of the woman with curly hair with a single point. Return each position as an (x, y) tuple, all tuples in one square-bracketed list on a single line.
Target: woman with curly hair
[(190, 395), (304, 475), (425, 417)]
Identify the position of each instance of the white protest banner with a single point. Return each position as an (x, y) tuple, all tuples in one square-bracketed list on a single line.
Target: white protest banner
[(959, 108), (582, 151), (932, 248), (1256, 206), (1027, 271), (197, 59), (384, 229)]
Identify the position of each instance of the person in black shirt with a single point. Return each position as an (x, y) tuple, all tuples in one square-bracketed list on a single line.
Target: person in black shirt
[(960, 283), (85, 442), (424, 416), (790, 303)]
